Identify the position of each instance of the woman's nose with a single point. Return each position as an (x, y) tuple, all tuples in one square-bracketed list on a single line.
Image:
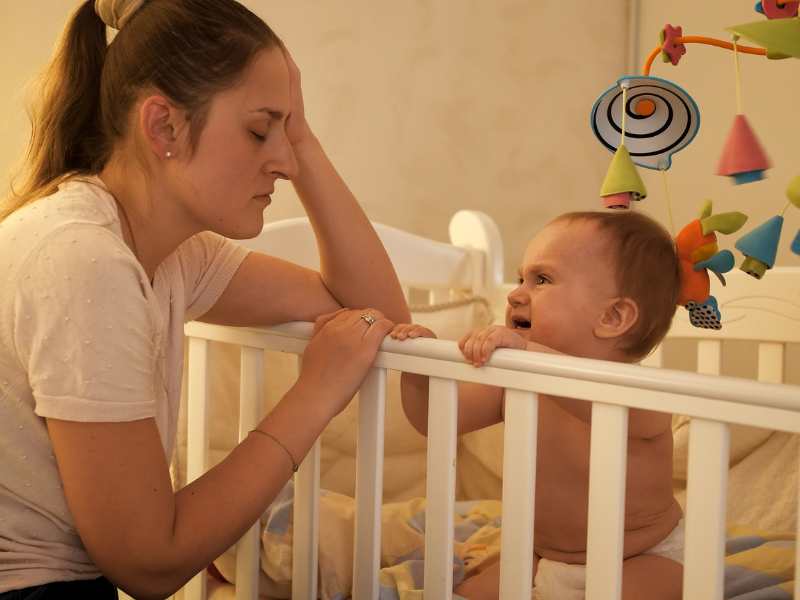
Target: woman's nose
[(283, 162)]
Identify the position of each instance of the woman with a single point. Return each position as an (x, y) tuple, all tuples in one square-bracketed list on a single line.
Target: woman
[(145, 152)]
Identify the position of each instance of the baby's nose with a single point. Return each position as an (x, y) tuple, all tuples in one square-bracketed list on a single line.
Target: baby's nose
[(517, 298)]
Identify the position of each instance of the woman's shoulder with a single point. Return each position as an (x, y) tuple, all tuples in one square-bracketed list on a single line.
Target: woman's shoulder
[(81, 199), (79, 217)]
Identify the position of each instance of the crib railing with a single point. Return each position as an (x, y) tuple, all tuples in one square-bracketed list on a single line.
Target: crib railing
[(711, 401)]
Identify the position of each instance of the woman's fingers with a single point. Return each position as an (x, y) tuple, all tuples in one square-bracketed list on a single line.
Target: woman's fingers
[(326, 318), (377, 331), (403, 331)]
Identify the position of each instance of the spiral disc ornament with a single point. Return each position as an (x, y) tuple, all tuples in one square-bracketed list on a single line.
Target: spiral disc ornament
[(661, 119)]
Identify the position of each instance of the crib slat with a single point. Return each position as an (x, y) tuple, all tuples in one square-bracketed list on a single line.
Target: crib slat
[(706, 497), (251, 392), (306, 524), (519, 485), (607, 472), (369, 484), (655, 358), (770, 362), (440, 488), (196, 436), (709, 357)]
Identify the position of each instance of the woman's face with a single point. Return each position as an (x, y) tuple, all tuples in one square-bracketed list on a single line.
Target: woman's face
[(242, 150)]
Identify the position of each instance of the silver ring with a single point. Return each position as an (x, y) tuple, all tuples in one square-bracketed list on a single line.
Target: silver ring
[(368, 318)]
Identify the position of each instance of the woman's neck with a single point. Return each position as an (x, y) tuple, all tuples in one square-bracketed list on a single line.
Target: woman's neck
[(153, 223)]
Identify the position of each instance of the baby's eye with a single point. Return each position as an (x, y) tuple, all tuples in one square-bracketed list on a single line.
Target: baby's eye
[(520, 280), (541, 280)]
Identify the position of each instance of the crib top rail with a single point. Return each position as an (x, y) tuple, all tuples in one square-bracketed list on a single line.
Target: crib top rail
[(717, 398)]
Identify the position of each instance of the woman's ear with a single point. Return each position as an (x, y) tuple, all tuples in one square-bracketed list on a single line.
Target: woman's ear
[(158, 119), (617, 319)]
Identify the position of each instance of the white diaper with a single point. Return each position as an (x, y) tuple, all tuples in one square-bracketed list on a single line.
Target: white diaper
[(671, 547), (561, 581)]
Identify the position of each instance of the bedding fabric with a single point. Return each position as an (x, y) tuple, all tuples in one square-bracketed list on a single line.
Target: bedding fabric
[(758, 565)]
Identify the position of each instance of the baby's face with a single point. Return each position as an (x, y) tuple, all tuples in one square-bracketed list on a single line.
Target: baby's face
[(565, 282)]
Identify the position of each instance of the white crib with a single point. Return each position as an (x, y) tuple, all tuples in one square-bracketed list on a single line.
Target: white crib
[(767, 311)]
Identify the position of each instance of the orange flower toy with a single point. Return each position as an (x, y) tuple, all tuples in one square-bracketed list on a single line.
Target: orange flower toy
[(699, 253)]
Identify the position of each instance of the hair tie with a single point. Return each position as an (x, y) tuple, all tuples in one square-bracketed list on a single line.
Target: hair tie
[(115, 13)]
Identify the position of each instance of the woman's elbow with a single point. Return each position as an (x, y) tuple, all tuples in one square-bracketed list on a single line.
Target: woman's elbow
[(145, 575), (149, 585)]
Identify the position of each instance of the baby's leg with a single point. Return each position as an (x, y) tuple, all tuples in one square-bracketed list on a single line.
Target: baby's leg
[(486, 584), (652, 577)]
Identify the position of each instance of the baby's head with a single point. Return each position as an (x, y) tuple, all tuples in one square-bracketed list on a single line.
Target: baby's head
[(597, 284)]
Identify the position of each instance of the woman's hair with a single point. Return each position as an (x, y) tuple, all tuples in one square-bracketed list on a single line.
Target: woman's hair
[(188, 50), (647, 271)]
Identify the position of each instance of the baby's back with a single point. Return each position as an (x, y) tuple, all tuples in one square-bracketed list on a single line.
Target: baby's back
[(562, 487)]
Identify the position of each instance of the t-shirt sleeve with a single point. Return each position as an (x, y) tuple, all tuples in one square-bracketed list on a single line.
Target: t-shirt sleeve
[(209, 262), (84, 328)]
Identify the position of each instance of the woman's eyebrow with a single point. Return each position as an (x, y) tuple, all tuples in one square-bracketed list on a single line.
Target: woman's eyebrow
[(275, 114)]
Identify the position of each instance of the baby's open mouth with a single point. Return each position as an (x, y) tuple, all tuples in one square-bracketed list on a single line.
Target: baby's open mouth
[(520, 323)]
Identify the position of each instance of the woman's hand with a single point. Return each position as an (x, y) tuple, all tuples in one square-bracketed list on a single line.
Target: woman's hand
[(297, 129), (403, 331), (339, 354), (477, 346)]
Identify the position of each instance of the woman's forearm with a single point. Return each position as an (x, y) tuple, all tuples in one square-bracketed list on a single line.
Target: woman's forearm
[(353, 262), (215, 510)]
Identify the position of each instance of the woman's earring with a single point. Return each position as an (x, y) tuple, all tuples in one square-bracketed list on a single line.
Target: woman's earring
[(169, 154)]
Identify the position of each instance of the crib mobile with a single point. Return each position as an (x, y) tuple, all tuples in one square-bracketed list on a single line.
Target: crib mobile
[(644, 120)]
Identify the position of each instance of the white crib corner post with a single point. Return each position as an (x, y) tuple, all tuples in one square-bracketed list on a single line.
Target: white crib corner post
[(369, 484), (440, 488), (706, 504), (519, 487), (305, 525), (607, 473), (197, 436), (251, 393)]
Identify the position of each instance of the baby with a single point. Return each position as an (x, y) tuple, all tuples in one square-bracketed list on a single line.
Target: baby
[(600, 285)]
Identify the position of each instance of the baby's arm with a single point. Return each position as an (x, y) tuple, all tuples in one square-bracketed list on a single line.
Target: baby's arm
[(478, 405), (478, 346)]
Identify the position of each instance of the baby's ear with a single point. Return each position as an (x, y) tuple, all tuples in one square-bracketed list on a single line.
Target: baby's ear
[(617, 319)]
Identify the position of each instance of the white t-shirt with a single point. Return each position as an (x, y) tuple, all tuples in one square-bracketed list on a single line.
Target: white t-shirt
[(84, 337)]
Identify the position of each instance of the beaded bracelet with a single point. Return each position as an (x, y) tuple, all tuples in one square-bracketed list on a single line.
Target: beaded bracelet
[(295, 466)]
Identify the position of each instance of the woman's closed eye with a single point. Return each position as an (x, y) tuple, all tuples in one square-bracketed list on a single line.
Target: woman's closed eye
[(258, 136)]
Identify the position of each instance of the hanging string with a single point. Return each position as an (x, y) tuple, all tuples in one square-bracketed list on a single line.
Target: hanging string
[(624, 111), (785, 207), (669, 202), (739, 110)]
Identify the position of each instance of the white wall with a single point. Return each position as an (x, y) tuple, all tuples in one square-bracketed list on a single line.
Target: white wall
[(426, 106)]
